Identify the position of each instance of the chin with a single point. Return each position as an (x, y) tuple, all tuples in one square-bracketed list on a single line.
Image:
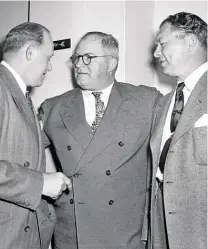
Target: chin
[(82, 84), (38, 83), (167, 71)]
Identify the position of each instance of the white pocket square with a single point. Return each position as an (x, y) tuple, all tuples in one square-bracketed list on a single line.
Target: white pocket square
[(202, 121)]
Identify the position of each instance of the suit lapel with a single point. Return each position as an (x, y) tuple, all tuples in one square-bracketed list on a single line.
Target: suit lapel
[(19, 99), (194, 108), (107, 127), (73, 115), (156, 138)]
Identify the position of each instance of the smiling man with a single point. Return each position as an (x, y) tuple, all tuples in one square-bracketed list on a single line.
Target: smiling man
[(179, 141), (100, 132)]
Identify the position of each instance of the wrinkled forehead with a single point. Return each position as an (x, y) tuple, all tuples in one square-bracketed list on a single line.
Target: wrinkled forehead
[(164, 32), (90, 45)]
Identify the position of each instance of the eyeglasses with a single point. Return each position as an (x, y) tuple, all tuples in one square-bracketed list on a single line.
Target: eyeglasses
[(86, 58)]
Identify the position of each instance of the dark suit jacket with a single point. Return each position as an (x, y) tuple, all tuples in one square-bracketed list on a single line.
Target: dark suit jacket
[(23, 215), (185, 175), (106, 209)]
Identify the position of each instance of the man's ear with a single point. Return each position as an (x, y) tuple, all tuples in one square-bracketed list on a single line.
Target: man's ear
[(112, 63), (29, 52), (193, 41)]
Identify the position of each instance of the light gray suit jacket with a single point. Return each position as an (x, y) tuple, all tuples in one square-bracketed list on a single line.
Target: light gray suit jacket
[(24, 216), (106, 209), (185, 175)]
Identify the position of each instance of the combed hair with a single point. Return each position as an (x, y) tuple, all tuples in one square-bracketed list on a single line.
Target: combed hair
[(107, 41), (22, 34), (189, 23)]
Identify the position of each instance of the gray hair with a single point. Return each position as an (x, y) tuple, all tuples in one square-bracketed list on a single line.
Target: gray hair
[(108, 41), (22, 34)]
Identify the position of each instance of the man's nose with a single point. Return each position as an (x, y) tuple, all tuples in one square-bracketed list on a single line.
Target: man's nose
[(157, 52), (80, 62)]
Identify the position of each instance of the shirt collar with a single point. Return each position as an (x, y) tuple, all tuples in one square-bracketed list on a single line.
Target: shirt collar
[(193, 78), (16, 76), (105, 91)]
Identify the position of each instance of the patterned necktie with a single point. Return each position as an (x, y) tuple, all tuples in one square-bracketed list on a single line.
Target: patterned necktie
[(29, 100), (100, 109), (178, 107), (175, 116)]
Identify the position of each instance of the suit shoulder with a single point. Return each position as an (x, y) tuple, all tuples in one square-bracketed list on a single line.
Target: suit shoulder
[(140, 90), (57, 98), (53, 101), (3, 88)]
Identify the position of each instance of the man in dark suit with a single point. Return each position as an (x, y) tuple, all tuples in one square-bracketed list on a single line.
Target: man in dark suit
[(26, 219), (100, 132), (179, 140)]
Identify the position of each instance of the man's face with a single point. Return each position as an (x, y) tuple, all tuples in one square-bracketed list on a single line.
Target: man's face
[(41, 61), (94, 76), (172, 52)]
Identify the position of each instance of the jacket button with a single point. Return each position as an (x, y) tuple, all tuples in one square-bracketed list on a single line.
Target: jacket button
[(108, 172), (111, 202), (27, 229), (68, 147), (71, 201), (121, 144), (76, 175), (26, 164)]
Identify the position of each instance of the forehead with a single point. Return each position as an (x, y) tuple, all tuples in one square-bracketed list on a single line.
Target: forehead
[(90, 45), (164, 32), (48, 43)]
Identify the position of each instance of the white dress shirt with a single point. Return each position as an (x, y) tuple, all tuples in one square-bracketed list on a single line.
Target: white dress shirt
[(190, 83), (19, 80), (89, 102)]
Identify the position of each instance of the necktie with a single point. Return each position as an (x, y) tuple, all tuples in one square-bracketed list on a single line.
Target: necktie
[(29, 100), (100, 109), (175, 116)]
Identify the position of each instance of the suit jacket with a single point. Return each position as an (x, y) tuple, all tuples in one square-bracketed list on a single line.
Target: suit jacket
[(185, 175), (106, 208), (24, 216)]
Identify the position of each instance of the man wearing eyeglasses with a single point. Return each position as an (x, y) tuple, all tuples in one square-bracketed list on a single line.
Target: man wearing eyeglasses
[(100, 132)]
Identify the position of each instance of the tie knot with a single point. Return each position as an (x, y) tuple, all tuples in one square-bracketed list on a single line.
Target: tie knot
[(180, 86), (97, 94)]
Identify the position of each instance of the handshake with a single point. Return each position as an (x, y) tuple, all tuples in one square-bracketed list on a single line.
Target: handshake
[(54, 184)]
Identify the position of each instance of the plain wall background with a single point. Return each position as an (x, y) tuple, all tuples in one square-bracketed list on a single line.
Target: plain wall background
[(133, 23)]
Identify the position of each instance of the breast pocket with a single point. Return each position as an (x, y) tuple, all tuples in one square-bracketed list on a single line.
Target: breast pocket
[(200, 145)]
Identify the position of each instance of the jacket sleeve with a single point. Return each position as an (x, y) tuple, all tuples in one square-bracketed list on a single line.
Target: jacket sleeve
[(18, 184), (157, 96)]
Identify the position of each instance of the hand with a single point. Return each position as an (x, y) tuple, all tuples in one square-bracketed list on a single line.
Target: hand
[(54, 184)]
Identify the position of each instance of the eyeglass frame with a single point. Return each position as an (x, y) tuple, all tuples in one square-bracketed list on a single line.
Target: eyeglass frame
[(90, 57)]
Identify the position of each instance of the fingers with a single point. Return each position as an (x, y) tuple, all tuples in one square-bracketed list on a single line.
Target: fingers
[(68, 182), (54, 184)]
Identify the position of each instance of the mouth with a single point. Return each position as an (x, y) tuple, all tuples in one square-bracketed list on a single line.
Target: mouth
[(43, 75), (163, 62), (81, 73)]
